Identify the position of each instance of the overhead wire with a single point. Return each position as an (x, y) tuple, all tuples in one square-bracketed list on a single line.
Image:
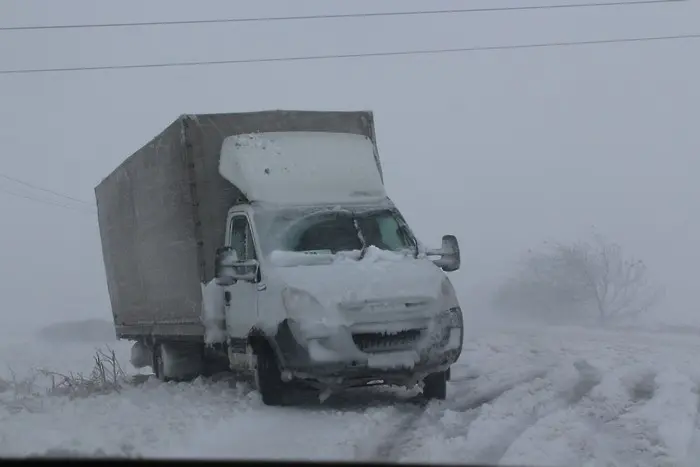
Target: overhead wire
[(46, 190), (82, 206), (323, 57), (450, 11), (48, 202)]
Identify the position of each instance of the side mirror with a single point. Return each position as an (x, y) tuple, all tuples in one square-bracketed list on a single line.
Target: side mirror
[(449, 258), (229, 270), (224, 271)]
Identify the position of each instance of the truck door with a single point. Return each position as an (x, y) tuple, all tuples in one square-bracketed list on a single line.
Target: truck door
[(241, 298)]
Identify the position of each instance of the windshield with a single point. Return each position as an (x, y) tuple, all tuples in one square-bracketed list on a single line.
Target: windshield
[(333, 230)]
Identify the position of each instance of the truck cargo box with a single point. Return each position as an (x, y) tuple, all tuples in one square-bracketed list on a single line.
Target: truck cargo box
[(162, 214)]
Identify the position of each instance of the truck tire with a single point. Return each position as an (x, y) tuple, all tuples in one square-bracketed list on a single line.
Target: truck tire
[(186, 361), (158, 365), (435, 386), (268, 377)]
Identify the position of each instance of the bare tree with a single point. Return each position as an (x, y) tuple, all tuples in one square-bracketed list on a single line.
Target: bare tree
[(563, 281)]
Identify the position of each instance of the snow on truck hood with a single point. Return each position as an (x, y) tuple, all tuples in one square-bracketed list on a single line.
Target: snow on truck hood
[(302, 167), (380, 275)]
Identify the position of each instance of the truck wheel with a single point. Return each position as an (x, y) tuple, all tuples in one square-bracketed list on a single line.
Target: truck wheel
[(158, 365), (268, 378), (435, 386), (185, 362)]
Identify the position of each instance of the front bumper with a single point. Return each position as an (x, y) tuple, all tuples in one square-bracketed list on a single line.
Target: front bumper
[(356, 359), (359, 373)]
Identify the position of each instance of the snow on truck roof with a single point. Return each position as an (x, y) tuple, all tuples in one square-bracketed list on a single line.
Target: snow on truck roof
[(302, 167)]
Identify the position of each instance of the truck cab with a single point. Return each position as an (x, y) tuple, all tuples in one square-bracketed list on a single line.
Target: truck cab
[(320, 283)]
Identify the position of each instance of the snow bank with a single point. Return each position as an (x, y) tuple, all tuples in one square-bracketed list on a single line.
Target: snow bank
[(517, 397), (200, 420), (253, 432)]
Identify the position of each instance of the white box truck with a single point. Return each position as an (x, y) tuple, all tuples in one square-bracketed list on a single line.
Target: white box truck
[(265, 242)]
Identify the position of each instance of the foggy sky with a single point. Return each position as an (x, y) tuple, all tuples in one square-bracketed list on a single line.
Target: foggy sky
[(504, 149)]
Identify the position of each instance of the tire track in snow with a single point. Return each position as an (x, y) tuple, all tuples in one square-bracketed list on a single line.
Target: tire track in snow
[(564, 437), (693, 452), (658, 430), (544, 398), (384, 450), (487, 391), (635, 416), (392, 442)]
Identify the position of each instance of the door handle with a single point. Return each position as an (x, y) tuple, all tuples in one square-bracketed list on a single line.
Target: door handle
[(261, 287)]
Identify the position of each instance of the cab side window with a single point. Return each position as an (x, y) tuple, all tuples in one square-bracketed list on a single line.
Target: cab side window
[(242, 238)]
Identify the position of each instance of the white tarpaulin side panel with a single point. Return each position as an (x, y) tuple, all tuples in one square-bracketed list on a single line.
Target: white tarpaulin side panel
[(302, 167)]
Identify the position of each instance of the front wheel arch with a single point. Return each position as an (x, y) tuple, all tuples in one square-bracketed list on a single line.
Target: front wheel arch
[(258, 340)]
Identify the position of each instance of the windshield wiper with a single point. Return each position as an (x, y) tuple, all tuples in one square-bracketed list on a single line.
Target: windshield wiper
[(363, 251), (410, 238), (355, 223)]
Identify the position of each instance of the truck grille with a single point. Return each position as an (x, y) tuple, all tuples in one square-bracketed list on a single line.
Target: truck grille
[(380, 342)]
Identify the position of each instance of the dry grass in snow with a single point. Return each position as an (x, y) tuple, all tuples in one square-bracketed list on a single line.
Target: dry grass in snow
[(18, 394)]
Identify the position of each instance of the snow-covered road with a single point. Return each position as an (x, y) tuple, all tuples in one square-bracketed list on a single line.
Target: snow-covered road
[(545, 396)]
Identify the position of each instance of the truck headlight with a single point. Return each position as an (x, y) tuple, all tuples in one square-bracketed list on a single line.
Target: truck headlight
[(301, 305), (451, 318), (307, 316), (449, 296), (449, 322), (445, 324)]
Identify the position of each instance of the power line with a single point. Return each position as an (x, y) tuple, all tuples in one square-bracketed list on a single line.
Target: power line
[(46, 190), (44, 201), (342, 15), (354, 55)]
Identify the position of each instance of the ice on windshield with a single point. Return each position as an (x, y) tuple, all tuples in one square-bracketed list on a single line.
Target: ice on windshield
[(341, 232), (333, 232)]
